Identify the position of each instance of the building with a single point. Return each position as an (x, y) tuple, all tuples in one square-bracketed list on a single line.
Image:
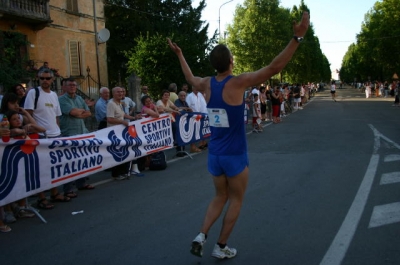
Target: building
[(62, 33)]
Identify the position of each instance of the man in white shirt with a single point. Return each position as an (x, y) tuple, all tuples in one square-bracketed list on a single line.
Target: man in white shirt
[(46, 113), (197, 103)]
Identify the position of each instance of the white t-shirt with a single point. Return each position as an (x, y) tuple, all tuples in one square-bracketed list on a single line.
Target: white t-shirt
[(197, 102), (128, 104), (256, 91), (46, 112), (115, 110)]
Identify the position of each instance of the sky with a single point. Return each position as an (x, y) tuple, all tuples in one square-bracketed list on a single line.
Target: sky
[(336, 23)]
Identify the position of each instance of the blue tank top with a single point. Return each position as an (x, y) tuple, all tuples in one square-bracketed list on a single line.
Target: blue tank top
[(226, 140)]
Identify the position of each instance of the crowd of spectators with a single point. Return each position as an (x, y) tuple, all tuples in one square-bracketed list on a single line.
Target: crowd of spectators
[(30, 119), (41, 113)]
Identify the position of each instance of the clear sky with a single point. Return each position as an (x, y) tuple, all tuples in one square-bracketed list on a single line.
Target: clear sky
[(335, 23)]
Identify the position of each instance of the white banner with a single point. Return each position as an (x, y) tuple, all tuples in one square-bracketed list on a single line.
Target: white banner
[(31, 166)]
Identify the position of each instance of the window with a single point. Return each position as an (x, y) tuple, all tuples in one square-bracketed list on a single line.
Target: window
[(75, 58), (72, 6)]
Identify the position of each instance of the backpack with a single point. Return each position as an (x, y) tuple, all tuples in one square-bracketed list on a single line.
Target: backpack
[(37, 92), (158, 161), (36, 97)]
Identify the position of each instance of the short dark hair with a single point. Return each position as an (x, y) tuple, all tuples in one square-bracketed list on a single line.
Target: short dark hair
[(143, 99), (220, 58), (8, 97), (165, 91), (10, 113)]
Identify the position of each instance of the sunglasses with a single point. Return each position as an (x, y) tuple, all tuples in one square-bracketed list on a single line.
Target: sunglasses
[(43, 78)]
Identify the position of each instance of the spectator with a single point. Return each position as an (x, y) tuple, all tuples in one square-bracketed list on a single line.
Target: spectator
[(3, 227), (181, 102), (44, 66), (47, 67), (197, 103), (74, 110), (145, 91), (149, 109), (256, 114), (19, 90), (172, 92), (165, 105), (128, 104), (367, 90), (101, 108), (386, 89), (46, 114), (268, 112), (182, 106), (185, 88), (129, 109), (263, 101), (276, 105), (10, 104), (117, 116)]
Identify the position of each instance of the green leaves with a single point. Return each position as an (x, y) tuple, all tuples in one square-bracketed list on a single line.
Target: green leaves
[(13, 59), (139, 29), (376, 55), (261, 30)]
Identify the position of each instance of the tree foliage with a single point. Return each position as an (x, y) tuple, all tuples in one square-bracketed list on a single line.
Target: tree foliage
[(13, 59), (376, 54), (260, 31), (138, 44)]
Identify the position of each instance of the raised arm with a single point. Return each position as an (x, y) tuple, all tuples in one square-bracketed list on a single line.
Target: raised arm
[(280, 61), (199, 82)]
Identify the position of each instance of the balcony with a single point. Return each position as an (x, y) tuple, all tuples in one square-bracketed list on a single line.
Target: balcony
[(33, 12)]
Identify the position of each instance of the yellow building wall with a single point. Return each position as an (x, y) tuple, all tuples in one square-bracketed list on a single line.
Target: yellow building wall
[(51, 43)]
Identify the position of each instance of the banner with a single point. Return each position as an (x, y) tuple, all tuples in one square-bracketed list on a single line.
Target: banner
[(191, 127), (31, 166)]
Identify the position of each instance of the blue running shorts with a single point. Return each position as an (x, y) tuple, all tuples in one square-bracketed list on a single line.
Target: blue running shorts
[(230, 165)]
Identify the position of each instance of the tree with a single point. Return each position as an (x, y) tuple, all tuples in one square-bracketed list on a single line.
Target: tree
[(376, 54), (261, 30), (132, 23), (13, 59)]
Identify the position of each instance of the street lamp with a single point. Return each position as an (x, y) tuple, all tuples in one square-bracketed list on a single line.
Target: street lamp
[(219, 19)]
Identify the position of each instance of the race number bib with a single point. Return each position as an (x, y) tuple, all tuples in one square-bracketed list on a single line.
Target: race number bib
[(218, 118)]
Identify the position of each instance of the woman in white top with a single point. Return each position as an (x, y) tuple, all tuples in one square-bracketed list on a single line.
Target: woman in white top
[(164, 105), (367, 90)]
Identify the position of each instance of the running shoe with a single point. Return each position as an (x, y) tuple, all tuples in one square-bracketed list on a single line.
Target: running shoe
[(197, 245), (222, 253)]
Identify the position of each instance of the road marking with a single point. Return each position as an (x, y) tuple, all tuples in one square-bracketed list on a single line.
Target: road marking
[(340, 244), (344, 236), (385, 214), (392, 158), (390, 178)]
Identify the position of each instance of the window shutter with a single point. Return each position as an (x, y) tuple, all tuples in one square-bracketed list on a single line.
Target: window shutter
[(75, 58), (72, 6)]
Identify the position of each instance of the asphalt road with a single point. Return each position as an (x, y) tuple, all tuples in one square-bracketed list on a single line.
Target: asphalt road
[(323, 189)]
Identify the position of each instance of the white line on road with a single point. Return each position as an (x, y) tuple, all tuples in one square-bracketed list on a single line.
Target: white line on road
[(340, 244), (385, 214), (342, 240), (392, 158), (390, 178)]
